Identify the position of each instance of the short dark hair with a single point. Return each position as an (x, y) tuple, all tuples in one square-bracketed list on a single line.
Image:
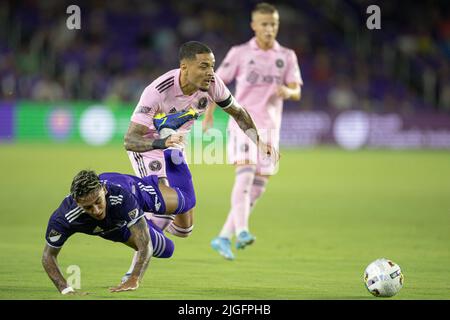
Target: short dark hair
[(190, 49), (85, 182), (264, 7)]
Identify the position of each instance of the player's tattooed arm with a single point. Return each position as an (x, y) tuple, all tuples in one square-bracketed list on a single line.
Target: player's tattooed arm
[(244, 120), (140, 241), (136, 140), (50, 264)]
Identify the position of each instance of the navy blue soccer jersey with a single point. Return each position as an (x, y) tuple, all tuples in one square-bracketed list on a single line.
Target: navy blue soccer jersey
[(127, 199)]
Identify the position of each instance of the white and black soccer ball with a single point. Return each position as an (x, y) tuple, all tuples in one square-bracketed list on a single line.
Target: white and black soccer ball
[(383, 278)]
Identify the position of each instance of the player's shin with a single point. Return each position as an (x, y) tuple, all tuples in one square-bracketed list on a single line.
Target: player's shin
[(258, 188)]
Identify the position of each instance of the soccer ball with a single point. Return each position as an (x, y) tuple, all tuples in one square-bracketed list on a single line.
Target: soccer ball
[(383, 278)]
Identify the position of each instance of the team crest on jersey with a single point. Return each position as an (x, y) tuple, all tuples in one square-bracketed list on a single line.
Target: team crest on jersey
[(54, 235), (226, 65), (133, 214), (279, 63), (144, 109), (155, 165), (202, 103)]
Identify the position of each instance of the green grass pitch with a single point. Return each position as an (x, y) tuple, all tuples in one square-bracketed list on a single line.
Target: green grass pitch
[(325, 216)]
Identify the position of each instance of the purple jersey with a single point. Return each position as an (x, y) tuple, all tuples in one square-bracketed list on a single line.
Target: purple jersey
[(127, 199)]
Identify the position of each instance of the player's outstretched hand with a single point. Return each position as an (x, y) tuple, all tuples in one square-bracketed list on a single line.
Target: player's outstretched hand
[(268, 151), (176, 140), (283, 92), (130, 285)]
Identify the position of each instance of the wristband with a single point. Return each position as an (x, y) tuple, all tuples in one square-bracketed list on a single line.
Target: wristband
[(67, 290), (159, 143)]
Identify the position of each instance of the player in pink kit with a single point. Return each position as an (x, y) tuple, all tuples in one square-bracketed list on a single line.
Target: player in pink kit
[(172, 102), (266, 73)]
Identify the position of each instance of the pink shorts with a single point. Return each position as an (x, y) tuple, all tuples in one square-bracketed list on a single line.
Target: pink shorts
[(241, 150), (148, 163)]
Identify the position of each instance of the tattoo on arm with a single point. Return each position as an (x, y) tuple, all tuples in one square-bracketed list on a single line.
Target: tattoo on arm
[(244, 121), (136, 141), (140, 238), (50, 264)]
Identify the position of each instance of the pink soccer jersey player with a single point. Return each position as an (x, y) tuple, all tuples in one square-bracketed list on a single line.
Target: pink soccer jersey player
[(266, 73), (258, 74), (180, 94), (164, 95)]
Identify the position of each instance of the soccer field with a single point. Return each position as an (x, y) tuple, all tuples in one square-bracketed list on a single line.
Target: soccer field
[(325, 216)]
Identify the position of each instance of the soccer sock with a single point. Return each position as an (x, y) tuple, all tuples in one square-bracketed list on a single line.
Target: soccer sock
[(180, 179), (258, 188), (240, 202), (161, 221)]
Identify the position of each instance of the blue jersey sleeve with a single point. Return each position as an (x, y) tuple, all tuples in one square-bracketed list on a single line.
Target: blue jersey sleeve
[(57, 232)]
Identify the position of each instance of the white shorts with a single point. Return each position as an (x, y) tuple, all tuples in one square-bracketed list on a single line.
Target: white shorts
[(148, 163), (241, 150)]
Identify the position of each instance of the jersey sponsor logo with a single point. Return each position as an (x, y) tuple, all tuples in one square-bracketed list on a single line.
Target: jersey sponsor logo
[(133, 214), (115, 200), (54, 235), (251, 62), (226, 65), (279, 63), (144, 109), (173, 110), (155, 165), (202, 103), (252, 77)]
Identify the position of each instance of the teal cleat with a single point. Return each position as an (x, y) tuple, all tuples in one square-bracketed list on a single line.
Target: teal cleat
[(223, 246), (173, 120), (244, 239)]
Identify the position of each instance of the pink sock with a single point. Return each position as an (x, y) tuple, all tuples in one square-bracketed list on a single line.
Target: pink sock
[(258, 188), (237, 220)]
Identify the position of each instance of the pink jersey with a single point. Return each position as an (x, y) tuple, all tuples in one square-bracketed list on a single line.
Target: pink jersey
[(165, 95), (258, 73)]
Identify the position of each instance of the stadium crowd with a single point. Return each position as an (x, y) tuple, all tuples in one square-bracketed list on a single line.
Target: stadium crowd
[(123, 45)]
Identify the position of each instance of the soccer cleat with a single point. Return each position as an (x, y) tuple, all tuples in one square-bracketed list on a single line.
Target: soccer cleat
[(174, 120), (244, 239), (223, 246)]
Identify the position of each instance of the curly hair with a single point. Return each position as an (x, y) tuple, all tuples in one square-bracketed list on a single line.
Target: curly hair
[(85, 182)]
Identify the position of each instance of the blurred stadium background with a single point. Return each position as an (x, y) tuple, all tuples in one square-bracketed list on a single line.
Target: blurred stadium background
[(365, 169)]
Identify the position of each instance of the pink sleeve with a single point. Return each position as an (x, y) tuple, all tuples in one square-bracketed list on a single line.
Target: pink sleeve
[(147, 107), (293, 74), (229, 67), (219, 92)]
